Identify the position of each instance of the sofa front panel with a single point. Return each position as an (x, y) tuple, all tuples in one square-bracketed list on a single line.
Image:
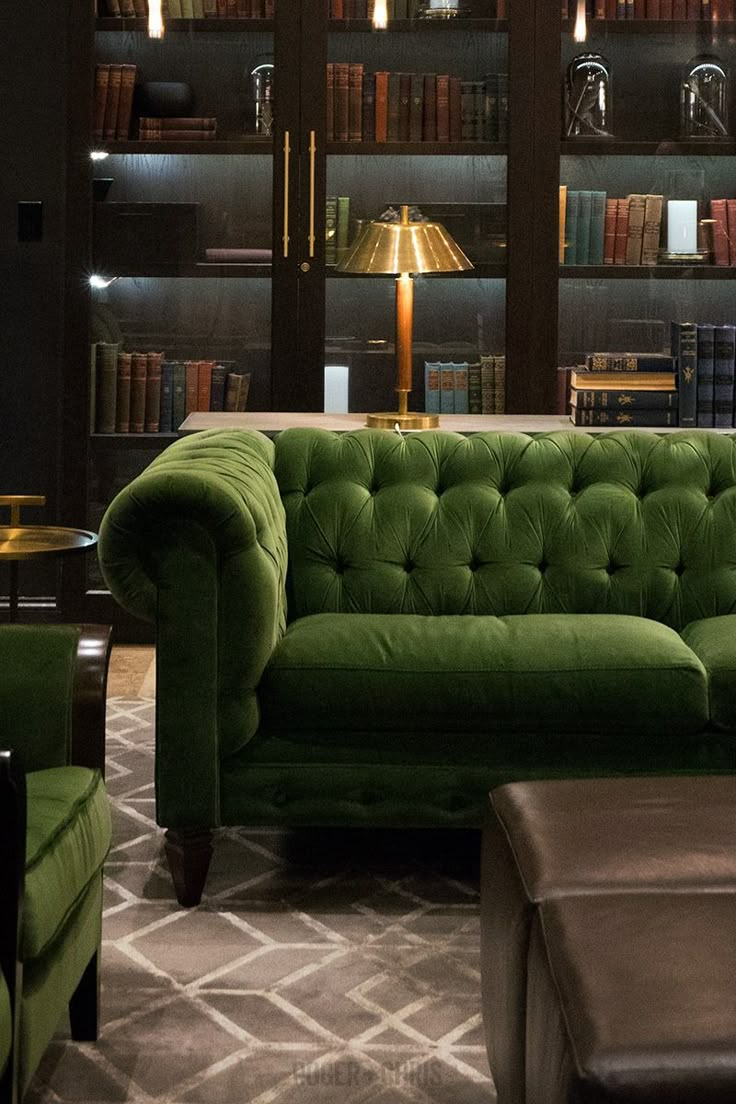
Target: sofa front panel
[(505, 523)]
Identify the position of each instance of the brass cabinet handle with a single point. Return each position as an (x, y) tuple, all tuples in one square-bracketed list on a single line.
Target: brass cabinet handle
[(312, 159), (287, 152)]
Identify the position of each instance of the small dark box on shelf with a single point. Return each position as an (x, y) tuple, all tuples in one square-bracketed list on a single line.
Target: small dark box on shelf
[(135, 236)]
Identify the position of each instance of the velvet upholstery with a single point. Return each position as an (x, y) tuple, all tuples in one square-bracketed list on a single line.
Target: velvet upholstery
[(455, 612), (713, 640)]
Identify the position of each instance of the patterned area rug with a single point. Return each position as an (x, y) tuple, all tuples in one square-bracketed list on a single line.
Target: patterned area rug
[(330, 966)]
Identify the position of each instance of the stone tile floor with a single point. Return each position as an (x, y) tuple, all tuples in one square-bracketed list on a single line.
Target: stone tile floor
[(321, 965)]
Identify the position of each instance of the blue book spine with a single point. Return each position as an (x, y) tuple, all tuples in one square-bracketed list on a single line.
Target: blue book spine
[(447, 389), (460, 372), (584, 215), (685, 348), (597, 227), (571, 227), (706, 373), (167, 395), (723, 356), (431, 387)]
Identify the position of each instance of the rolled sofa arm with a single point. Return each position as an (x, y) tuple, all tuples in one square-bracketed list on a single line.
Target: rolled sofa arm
[(197, 544)]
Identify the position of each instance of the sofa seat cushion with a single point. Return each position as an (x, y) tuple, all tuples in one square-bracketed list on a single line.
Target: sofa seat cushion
[(338, 674), (68, 836), (714, 642)]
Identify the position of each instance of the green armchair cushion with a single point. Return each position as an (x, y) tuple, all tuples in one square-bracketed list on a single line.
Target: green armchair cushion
[(68, 836), (714, 642), (6, 1025), (379, 678)]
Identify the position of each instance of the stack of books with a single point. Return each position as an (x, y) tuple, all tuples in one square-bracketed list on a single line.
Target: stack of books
[(652, 9), (706, 356), (397, 9), (190, 9), (414, 107), (137, 392), (178, 129), (625, 389), (597, 230), (113, 103)]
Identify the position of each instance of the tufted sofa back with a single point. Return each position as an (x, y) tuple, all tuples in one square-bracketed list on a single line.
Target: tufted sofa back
[(505, 523)]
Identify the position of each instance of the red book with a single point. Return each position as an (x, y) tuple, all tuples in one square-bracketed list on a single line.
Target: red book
[(138, 392), (640, 9), (622, 232), (102, 79), (693, 9), (611, 6), (679, 9), (153, 391), (600, 9), (381, 106), (122, 406), (609, 231), (337, 10), (653, 9), (443, 107), (719, 215), (125, 103), (501, 9), (330, 102), (665, 9), (112, 102), (731, 220)]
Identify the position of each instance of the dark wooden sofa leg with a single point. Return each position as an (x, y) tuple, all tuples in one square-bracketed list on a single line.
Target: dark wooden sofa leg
[(189, 855), (84, 1007)]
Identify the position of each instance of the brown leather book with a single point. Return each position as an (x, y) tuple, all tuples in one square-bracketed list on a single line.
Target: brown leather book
[(443, 107), (719, 215), (635, 235), (355, 101), (102, 78), (125, 103), (204, 383), (404, 106), (122, 406), (693, 9), (679, 9), (429, 116), (194, 122), (337, 10), (609, 231), (330, 137), (342, 101), (456, 110), (113, 101), (611, 9), (640, 9), (381, 106), (232, 391), (140, 8), (393, 107), (153, 391), (654, 10), (652, 227), (138, 372), (731, 222), (622, 232), (665, 9), (192, 386)]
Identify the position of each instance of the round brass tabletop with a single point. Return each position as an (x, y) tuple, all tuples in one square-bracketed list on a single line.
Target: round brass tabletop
[(24, 542)]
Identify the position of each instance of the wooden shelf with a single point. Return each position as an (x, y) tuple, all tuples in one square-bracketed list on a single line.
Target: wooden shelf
[(112, 23), (440, 26), (647, 272), (700, 27), (206, 147), (196, 271), (483, 270), (665, 147), (422, 149)]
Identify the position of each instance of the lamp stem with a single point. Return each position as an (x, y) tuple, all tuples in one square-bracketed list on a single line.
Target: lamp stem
[(404, 313)]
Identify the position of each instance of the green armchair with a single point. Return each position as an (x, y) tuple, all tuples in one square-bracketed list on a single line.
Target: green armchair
[(55, 834)]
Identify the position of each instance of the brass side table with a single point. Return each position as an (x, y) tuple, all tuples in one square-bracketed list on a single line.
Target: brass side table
[(27, 542)]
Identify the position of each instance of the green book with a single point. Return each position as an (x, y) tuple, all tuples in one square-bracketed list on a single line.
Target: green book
[(571, 227), (331, 230), (585, 206), (487, 384), (342, 234), (106, 386), (597, 226), (475, 394)]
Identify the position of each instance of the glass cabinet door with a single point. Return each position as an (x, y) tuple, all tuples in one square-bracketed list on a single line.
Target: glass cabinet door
[(646, 190), (417, 114)]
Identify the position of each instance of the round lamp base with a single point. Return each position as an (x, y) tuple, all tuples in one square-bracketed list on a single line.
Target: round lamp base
[(404, 421)]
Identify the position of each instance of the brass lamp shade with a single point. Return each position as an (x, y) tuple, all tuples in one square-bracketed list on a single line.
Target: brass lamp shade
[(390, 248), (401, 249)]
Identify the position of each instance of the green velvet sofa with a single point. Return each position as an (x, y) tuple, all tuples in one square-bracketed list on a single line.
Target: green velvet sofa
[(368, 629), (55, 832)]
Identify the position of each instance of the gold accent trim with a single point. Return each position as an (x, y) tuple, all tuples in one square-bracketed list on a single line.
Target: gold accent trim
[(388, 420), (312, 156), (285, 236), (16, 501)]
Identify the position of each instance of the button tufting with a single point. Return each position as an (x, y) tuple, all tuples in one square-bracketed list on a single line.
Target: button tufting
[(409, 566), (679, 569), (543, 567), (610, 568)]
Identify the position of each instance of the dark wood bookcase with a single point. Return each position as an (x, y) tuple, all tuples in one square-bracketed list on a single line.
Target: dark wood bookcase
[(285, 321)]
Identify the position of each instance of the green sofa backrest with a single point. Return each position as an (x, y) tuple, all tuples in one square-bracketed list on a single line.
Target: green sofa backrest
[(506, 523)]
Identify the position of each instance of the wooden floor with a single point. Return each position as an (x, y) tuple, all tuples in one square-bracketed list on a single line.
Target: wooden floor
[(132, 672)]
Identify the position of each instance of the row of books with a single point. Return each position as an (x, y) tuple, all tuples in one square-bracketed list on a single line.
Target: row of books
[(137, 392), (190, 9), (194, 128), (464, 388), (597, 230), (396, 9), (113, 102), (652, 9), (414, 107)]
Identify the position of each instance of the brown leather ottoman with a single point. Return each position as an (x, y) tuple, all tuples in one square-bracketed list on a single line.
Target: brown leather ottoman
[(632, 1000), (548, 840)]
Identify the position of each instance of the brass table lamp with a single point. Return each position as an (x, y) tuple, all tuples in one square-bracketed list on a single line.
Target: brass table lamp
[(403, 248)]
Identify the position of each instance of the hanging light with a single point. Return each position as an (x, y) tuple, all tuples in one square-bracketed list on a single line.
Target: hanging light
[(580, 33), (380, 15), (155, 19)]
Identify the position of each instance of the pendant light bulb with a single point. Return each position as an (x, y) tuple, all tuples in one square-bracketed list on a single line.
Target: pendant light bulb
[(580, 33), (380, 15), (155, 19)]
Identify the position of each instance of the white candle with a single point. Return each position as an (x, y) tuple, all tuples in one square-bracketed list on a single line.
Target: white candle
[(682, 226), (336, 388)]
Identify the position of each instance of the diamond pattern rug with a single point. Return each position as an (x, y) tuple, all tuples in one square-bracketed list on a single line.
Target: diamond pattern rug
[(330, 966)]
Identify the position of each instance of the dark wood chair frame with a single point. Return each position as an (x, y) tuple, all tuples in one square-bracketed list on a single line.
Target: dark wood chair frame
[(87, 750)]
